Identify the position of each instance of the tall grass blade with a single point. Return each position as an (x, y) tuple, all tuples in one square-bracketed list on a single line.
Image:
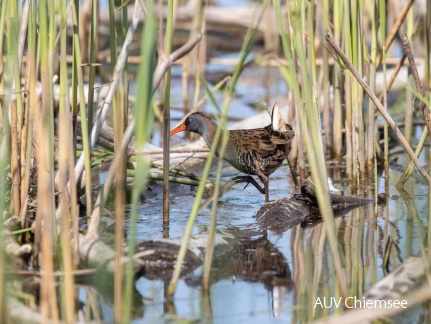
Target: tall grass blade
[(144, 118)]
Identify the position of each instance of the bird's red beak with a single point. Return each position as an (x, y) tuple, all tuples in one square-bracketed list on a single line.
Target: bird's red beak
[(178, 129)]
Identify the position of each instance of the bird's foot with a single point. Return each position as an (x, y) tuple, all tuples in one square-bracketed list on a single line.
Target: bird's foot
[(240, 179)]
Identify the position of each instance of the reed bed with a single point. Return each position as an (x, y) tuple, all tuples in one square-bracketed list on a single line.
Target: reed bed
[(50, 72)]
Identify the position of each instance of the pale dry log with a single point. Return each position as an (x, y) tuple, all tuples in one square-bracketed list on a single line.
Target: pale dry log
[(11, 247), (406, 278), (105, 138), (95, 253), (20, 313), (406, 283)]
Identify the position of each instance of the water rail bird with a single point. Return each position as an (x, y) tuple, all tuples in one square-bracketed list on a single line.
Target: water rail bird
[(258, 151)]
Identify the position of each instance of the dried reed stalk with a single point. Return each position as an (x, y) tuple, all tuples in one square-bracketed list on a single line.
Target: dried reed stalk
[(419, 88), (394, 30), (380, 107)]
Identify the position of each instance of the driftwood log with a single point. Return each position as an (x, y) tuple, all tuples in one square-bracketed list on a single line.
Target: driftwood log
[(15, 251), (282, 214), (407, 283)]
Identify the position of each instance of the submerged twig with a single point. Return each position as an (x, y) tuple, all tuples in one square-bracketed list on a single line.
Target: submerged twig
[(380, 107)]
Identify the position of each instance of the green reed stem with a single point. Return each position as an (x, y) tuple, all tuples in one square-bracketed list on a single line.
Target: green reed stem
[(347, 35), (196, 27), (311, 30), (144, 118), (167, 111), (4, 156), (92, 68), (338, 82), (83, 112), (245, 50), (327, 102), (120, 113), (309, 121), (382, 17), (427, 82), (428, 43), (371, 108), (358, 97), (410, 168), (112, 33), (213, 220), (210, 93)]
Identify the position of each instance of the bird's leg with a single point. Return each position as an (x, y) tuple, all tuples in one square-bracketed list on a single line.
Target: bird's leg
[(265, 181), (230, 183), (240, 179), (293, 173)]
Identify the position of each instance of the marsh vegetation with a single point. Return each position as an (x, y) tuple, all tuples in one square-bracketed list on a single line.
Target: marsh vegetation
[(106, 218)]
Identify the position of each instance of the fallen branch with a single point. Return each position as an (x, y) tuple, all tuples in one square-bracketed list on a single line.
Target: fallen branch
[(380, 107)]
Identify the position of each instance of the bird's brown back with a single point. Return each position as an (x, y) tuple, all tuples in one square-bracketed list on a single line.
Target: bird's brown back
[(259, 148)]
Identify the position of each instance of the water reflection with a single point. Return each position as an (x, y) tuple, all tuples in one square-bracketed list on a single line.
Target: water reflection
[(281, 273)]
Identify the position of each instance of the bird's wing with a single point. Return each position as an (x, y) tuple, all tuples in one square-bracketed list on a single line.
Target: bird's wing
[(263, 141)]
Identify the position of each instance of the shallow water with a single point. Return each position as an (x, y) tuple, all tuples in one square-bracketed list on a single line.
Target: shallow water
[(243, 290), (280, 276), (277, 277)]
